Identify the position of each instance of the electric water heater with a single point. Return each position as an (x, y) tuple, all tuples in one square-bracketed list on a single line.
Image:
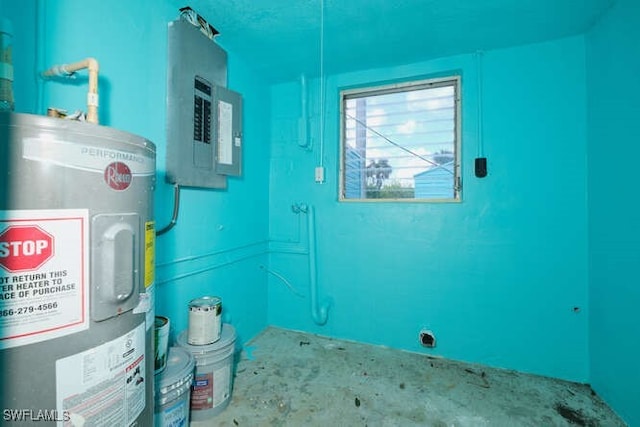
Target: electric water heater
[(77, 242)]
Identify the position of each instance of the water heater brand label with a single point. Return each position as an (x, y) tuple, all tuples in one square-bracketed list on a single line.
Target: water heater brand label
[(117, 175), (43, 275), (85, 157)]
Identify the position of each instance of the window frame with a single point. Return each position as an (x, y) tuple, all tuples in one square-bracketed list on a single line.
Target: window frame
[(454, 80)]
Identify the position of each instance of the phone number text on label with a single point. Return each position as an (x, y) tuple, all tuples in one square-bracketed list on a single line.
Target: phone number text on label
[(18, 311)]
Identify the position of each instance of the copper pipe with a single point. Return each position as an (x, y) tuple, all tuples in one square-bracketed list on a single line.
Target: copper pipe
[(92, 96)]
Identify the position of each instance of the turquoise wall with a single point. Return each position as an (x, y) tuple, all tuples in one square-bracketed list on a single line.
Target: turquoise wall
[(613, 67), (500, 278), (220, 240), (22, 16), (496, 277)]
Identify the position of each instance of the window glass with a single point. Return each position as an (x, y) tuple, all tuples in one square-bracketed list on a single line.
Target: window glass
[(401, 142)]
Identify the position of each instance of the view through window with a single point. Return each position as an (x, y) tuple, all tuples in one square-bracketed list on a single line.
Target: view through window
[(401, 142)]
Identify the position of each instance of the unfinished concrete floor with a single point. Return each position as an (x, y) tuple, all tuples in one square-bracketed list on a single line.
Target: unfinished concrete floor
[(288, 378)]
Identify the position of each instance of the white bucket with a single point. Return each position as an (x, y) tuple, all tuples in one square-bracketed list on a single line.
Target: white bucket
[(173, 389), (213, 382)]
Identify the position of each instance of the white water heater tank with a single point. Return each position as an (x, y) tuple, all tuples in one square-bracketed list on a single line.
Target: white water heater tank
[(77, 243)]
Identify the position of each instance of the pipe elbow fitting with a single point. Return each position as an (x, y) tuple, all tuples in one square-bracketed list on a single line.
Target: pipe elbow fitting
[(92, 64)]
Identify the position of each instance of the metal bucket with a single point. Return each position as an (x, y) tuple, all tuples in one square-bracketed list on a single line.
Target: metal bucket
[(205, 321)]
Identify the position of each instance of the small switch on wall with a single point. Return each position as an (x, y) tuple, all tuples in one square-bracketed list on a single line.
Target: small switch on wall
[(481, 167), (319, 174)]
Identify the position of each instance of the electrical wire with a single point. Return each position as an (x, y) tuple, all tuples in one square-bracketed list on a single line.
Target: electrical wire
[(480, 118), (322, 94), (285, 281), (394, 143)]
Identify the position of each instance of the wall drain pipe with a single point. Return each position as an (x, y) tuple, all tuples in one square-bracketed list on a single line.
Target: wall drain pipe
[(69, 70), (319, 313)]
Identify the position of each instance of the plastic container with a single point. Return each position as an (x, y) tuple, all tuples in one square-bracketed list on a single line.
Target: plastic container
[(173, 389), (213, 381)]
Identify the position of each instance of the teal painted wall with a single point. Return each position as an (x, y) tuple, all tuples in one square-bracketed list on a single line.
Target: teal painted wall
[(613, 70), (22, 16), (220, 240), (496, 277)]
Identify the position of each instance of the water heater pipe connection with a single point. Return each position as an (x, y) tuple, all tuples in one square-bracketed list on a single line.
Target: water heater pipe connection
[(69, 70)]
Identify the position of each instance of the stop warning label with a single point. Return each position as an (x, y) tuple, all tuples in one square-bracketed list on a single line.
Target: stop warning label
[(43, 275), (24, 248)]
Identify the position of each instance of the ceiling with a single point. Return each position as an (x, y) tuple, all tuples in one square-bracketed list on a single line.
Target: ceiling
[(280, 39)]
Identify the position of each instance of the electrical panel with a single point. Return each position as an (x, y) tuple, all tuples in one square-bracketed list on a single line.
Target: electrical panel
[(204, 117), (228, 131)]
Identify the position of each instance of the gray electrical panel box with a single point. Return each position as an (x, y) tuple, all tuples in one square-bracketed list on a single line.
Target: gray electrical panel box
[(204, 118), (228, 131)]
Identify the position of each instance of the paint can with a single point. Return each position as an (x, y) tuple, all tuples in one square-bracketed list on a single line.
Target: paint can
[(173, 389), (205, 322), (213, 380), (161, 337)]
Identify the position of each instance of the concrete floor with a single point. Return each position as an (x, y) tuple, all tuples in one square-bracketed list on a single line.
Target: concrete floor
[(288, 378)]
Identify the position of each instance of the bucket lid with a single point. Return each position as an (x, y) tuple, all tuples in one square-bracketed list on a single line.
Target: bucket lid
[(206, 301), (179, 369), (227, 338)]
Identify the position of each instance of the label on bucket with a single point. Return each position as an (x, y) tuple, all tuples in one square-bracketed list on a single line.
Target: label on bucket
[(211, 389), (43, 275), (175, 416), (222, 384), (202, 392)]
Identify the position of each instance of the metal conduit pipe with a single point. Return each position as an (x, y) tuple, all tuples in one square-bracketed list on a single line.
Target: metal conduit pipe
[(176, 211), (68, 70), (303, 121)]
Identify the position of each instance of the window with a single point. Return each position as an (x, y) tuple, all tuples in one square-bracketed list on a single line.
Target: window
[(401, 142)]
